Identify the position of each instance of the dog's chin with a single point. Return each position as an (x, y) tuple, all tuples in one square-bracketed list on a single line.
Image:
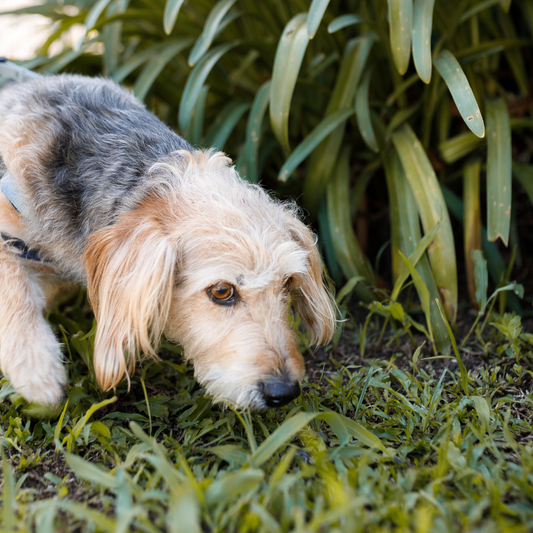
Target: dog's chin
[(243, 398)]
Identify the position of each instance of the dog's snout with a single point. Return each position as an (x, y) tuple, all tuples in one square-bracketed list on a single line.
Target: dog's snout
[(278, 392)]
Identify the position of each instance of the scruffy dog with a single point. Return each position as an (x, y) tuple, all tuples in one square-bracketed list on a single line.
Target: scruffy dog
[(168, 239)]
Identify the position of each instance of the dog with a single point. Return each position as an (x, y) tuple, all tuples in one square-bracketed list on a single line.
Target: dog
[(168, 239)]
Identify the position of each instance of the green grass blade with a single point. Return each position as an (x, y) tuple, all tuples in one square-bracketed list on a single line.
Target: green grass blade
[(225, 123), (195, 81), (183, 512), (422, 26), (284, 434), (471, 220), (231, 486), (481, 275), (153, 68), (89, 471), (92, 516), (172, 8), (289, 56), (8, 495), (316, 12), (499, 171), (423, 292), (343, 425), (210, 30), (461, 91), (415, 256), (313, 139), (324, 158), (343, 22), (362, 113), (249, 164), (401, 24), (83, 421), (462, 368), (432, 208)]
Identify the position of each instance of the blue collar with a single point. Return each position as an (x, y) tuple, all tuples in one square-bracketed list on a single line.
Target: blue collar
[(9, 186)]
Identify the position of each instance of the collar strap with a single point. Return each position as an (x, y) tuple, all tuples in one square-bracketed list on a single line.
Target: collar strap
[(23, 250), (15, 72), (9, 186)]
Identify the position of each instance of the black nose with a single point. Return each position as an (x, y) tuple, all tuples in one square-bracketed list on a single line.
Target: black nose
[(277, 392)]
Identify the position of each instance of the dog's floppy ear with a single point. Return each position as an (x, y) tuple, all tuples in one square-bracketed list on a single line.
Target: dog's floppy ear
[(130, 269), (312, 300)]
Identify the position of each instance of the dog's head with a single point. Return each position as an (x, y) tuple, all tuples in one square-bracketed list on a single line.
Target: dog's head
[(216, 265)]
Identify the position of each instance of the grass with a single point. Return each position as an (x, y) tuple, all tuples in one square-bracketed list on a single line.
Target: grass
[(385, 445)]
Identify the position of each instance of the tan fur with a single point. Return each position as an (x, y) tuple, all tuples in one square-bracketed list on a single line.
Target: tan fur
[(149, 274)]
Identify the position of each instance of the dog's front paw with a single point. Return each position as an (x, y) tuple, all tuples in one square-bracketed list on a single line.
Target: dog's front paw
[(36, 371), (42, 388)]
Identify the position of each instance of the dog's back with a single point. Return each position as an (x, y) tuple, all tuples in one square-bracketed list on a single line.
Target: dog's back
[(81, 150)]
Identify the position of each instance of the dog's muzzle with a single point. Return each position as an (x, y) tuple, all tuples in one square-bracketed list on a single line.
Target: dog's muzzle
[(277, 392)]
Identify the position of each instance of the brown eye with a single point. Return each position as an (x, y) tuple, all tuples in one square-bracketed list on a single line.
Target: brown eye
[(222, 292)]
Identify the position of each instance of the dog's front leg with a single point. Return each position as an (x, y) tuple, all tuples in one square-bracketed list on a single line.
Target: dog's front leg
[(30, 355)]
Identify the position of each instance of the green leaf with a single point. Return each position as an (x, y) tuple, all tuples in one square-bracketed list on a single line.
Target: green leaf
[(413, 259), (183, 512), (82, 512), (94, 13), (195, 81), (136, 60), (422, 290), (499, 171), (362, 113), (401, 23), (324, 158), (81, 423), (422, 26), (312, 140), (89, 471), (432, 208), (471, 221), (172, 8), (153, 68), (461, 91), (232, 485), (248, 165), (316, 12), (231, 453), (195, 133), (112, 37), (289, 56), (524, 175), (210, 30), (225, 123), (284, 434), (481, 278), (455, 148), (347, 289), (343, 21), (462, 368), (483, 412), (347, 249), (8, 495)]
